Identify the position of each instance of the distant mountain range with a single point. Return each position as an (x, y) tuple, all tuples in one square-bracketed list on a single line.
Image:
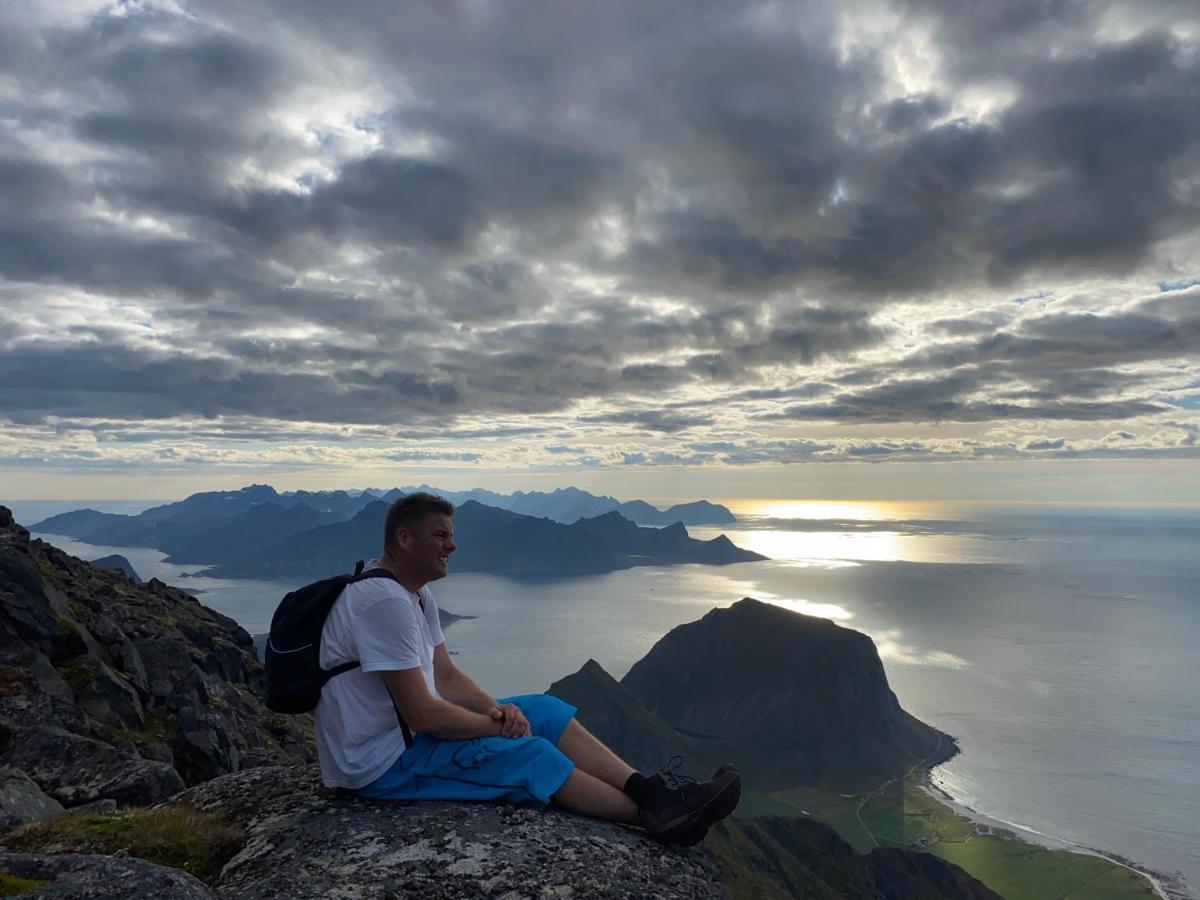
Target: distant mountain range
[(568, 505), (257, 532)]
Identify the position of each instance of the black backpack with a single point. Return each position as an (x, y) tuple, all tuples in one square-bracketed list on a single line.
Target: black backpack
[(293, 657)]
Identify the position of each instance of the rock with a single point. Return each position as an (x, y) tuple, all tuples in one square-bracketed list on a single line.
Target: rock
[(303, 840), (111, 700), (75, 769), (31, 694), (119, 563), (21, 800), (143, 684), (75, 876)]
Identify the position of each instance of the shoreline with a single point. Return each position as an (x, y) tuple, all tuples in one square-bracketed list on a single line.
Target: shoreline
[(1167, 887)]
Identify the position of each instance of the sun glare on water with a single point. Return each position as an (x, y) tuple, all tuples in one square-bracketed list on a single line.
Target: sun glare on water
[(835, 510)]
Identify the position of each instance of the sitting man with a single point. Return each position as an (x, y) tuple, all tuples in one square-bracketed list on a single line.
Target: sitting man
[(466, 745)]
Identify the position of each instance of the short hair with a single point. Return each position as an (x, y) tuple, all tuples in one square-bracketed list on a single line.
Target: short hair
[(410, 510)]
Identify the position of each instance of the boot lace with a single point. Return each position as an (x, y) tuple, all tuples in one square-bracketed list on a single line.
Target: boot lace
[(672, 777)]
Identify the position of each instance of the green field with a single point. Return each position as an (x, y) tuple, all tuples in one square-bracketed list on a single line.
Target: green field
[(906, 816)]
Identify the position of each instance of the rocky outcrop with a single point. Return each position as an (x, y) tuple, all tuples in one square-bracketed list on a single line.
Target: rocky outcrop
[(87, 876), (120, 563), (305, 841), (792, 699), (112, 690), (21, 800)]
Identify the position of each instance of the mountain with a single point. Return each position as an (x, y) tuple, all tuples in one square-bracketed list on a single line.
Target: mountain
[(719, 689), (216, 503), (795, 699), (615, 714), (229, 529), (568, 505), (120, 564), (77, 523), (237, 536), (792, 699), (671, 543), (160, 531), (489, 540), (317, 552), (699, 512)]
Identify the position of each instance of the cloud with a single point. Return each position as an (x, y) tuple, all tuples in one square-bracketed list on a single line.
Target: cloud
[(660, 239)]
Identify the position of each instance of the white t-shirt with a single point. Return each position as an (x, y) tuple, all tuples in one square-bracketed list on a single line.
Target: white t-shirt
[(379, 623)]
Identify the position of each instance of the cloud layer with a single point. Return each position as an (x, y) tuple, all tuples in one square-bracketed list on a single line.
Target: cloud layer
[(606, 234)]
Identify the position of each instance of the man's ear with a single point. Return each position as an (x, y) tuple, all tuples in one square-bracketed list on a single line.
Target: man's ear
[(401, 538)]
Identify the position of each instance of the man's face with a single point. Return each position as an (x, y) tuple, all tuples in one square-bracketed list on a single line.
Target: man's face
[(427, 547)]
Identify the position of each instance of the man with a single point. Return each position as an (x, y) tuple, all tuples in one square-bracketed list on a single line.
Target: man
[(467, 745)]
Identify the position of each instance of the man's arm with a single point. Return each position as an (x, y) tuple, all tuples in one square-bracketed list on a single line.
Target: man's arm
[(433, 716), (458, 687)]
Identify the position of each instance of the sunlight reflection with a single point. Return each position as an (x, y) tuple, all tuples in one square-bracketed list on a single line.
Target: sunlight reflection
[(809, 608), (892, 649), (815, 545), (845, 510)]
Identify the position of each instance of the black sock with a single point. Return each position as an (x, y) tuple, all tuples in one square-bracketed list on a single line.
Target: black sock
[(636, 787)]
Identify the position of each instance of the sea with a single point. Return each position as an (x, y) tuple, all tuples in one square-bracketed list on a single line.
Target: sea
[(1057, 643)]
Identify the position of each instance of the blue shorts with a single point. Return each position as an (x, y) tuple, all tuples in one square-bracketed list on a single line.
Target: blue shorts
[(518, 770)]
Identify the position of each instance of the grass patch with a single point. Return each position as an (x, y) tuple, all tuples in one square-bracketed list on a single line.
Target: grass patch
[(78, 672), (14, 885), (177, 836), (158, 729), (831, 808), (1013, 868), (912, 819)]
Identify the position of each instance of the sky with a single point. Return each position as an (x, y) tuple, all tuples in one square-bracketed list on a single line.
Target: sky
[(918, 248)]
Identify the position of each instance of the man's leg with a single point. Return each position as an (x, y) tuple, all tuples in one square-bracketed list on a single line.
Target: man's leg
[(588, 795), (589, 754)]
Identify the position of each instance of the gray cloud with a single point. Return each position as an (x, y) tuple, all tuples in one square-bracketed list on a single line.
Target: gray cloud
[(607, 215)]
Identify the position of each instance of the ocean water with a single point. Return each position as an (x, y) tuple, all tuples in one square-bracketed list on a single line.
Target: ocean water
[(1057, 644)]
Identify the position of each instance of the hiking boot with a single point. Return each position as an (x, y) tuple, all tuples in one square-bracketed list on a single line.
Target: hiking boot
[(690, 836), (677, 809)]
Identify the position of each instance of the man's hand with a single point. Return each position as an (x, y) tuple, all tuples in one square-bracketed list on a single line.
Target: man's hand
[(513, 723)]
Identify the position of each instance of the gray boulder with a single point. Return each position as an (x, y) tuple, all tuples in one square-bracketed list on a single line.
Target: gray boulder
[(75, 769), (76, 876), (21, 800), (303, 840)]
